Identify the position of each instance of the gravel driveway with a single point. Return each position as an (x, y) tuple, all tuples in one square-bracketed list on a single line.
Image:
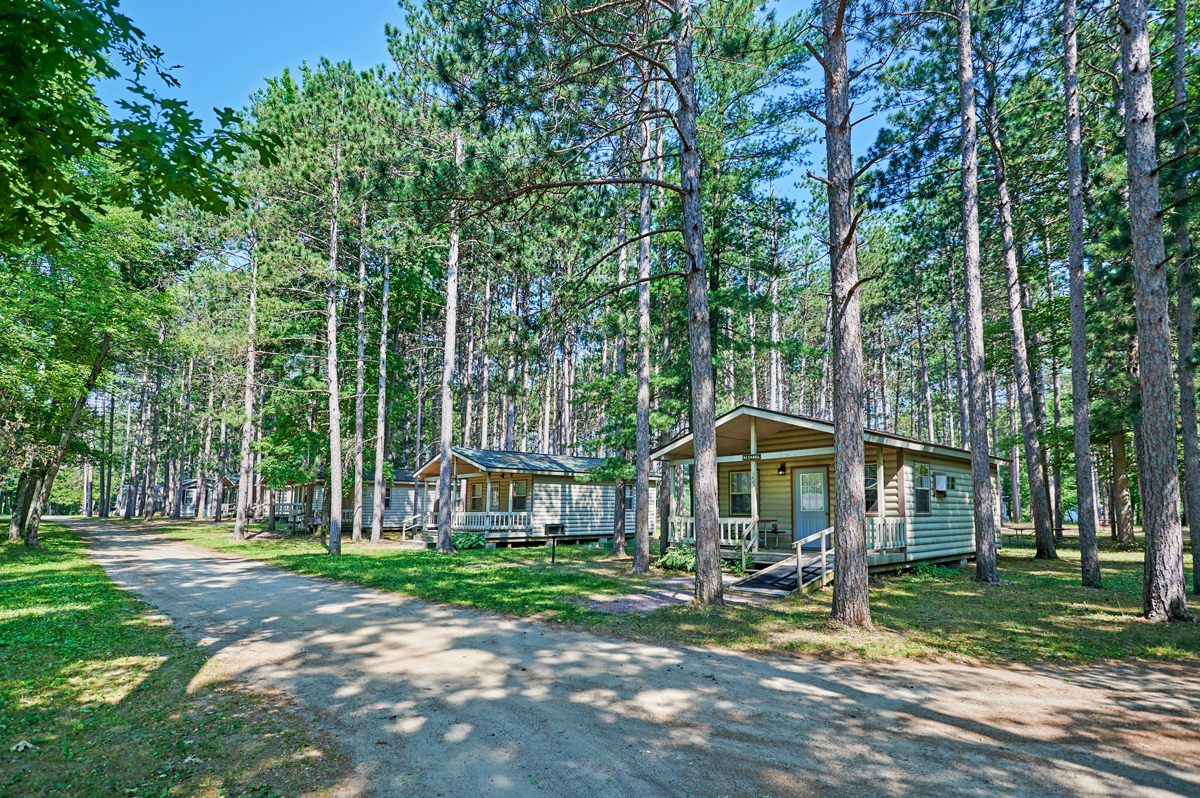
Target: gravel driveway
[(432, 700)]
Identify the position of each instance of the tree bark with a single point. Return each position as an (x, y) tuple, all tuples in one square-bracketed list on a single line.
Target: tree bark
[(641, 547), (246, 461), (851, 606), (985, 529), (333, 485), (1186, 282), (1163, 595), (445, 474), (709, 587), (381, 407), (1123, 500), (1039, 507), (360, 380)]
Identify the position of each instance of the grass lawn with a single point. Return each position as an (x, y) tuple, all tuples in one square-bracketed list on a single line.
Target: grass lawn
[(116, 703), (1039, 613)]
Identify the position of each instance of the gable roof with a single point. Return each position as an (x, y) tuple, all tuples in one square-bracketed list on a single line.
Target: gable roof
[(730, 434), (520, 462)]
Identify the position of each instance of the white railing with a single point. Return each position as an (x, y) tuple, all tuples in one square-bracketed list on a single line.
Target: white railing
[(732, 533), (481, 522), (886, 533)]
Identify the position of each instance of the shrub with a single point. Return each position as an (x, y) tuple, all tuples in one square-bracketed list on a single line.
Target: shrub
[(681, 557), (465, 541), (930, 572)]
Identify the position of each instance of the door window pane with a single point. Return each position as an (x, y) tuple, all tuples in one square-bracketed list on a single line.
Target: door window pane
[(812, 493), (739, 493)]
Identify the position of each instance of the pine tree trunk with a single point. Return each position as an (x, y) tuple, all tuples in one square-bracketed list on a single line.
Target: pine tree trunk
[(922, 364), (445, 475), (381, 408), (851, 606), (641, 548), (1123, 499), (485, 429), (246, 461), (149, 492), (1039, 507), (333, 485), (185, 402), (709, 587), (1163, 596), (985, 529), (360, 381), (202, 492), (1186, 281)]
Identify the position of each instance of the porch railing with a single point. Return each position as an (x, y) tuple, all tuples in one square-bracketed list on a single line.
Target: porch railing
[(821, 561), (732, 532), (482, 522), (886, 533)]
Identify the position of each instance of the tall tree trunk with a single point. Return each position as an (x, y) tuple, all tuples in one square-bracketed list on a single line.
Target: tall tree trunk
[(618, 540), (851, 606), (247, 456), (360, 380), (641, 548), (985, 529), (149, 486), (1039, 507), (42, 495), (381, 407), (1163, 596), (510, 416), (709, 588), (1123, 499), (775, 360), (445, 475), (1186, 281), (185, 407), (923, 366), (202, 473), (333, 486), (485, 429), (26, 483)]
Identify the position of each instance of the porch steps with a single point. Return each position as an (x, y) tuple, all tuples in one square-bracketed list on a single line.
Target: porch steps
[(781, 579)]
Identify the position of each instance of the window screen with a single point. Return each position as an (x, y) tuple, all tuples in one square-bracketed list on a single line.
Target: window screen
[(739, 493)]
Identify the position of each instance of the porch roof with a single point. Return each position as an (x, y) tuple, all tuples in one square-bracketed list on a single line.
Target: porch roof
[(471, 461), (733, 436)]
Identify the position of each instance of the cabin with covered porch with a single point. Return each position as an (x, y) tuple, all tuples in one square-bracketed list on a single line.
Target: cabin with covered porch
[(776, 482), (510, 497)]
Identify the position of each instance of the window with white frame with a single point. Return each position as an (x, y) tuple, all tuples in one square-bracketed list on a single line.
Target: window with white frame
[(387, 498), (739, 493), (871, 486), (477, 498), (922, 488), (520, 497), (629, 498)]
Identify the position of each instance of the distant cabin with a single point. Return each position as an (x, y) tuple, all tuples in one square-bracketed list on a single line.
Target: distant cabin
[(775, 484), (404, 501), (510, 497)]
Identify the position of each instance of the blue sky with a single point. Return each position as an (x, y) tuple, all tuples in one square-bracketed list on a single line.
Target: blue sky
[(226, 48)]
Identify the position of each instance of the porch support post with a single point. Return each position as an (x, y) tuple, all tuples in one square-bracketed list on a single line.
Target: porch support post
[(753, 492), (487, 499), (510, 492), (671, 476), (881, 488)]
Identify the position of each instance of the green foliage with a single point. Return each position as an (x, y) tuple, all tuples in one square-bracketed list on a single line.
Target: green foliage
[(680, 557), (466, 541)]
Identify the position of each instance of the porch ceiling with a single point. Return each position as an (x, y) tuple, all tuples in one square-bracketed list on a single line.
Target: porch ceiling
[(733, 436)]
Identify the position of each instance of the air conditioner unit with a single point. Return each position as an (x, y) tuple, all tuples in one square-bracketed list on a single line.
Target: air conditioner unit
[(939, 483)]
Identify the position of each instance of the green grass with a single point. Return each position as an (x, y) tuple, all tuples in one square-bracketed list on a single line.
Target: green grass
[(115, 702), (1038, 614)]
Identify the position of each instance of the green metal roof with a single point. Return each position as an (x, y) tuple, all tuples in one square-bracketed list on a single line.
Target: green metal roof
[(495, 460)]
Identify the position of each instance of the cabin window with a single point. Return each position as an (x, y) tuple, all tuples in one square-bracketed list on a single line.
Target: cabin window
[(387, 498), (922, 488), (520, 497), (872, 488), (739, 493), (629, 498), (494, 504), (477, 498)]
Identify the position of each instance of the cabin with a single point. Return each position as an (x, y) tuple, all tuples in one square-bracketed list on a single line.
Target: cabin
[(404, 500), (510, 497), (775, 492)]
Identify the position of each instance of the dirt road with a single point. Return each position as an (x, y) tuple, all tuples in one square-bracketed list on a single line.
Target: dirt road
[(432, 700)]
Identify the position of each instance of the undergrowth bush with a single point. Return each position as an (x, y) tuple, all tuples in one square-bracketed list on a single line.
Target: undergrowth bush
[(681, 557), (465, 541)]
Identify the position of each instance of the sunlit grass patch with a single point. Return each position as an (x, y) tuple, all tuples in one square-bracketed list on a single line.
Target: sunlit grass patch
[(97, 684)]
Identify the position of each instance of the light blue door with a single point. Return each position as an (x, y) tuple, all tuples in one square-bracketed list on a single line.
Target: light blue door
[(811, 504)]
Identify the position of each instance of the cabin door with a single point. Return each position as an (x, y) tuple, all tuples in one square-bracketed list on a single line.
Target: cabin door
[(811, 504)]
